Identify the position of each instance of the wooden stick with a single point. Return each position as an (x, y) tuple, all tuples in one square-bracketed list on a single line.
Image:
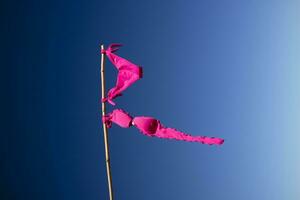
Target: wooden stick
[(108, 171)]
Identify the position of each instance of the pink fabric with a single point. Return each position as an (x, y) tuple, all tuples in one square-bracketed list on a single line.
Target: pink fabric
[(152, 127), (147, 125), (119, 117), (127, 75)]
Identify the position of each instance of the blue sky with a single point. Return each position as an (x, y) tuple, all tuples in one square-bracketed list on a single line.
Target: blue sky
[(225, 69)]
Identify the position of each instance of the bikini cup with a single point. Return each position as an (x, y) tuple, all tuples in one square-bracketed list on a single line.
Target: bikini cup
[(146, 125)]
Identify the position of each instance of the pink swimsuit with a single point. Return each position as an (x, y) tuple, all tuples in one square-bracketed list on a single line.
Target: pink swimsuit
[(153, 128), (128, 73)]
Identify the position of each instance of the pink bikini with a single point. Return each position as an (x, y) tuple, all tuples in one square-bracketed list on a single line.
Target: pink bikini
[(128, 73)]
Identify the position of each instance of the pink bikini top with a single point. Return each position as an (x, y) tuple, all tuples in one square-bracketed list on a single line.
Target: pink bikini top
[(152, 127)]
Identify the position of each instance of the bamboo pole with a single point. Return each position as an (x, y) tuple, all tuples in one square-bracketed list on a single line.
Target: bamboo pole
[(105, 131)]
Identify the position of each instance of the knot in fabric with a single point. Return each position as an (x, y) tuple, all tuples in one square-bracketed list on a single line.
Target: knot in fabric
[(118, 117)]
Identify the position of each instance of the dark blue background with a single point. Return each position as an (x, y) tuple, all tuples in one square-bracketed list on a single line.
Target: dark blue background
[(219, 68)]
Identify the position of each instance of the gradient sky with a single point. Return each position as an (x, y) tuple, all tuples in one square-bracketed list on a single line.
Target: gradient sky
[(228, 69)]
